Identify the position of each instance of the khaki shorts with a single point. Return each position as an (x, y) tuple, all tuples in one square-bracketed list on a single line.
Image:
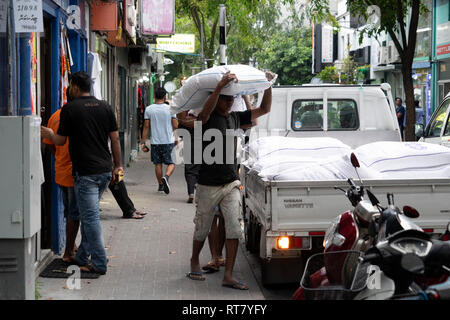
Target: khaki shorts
[(228, 197)]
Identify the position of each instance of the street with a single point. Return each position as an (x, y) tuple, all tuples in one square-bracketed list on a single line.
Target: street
[(148, 258)]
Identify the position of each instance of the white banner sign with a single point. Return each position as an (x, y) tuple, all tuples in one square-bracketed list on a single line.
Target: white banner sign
[(3, 14), (28, 16), (327, 44)]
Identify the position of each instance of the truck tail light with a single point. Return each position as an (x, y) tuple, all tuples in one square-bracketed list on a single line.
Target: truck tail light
[(283, 242), (428, 230)]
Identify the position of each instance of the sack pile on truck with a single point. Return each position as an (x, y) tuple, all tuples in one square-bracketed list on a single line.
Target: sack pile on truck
[(284, 158), (276, 156), (405, 160), (197, 88)]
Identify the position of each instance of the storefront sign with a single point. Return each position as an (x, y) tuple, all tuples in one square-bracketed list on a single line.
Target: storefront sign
[(443, 38), (3, 15), (178, 43), (158, 17), (28, 16)]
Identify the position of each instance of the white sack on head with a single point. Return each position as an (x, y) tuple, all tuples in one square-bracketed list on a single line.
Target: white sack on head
[(194, 93)]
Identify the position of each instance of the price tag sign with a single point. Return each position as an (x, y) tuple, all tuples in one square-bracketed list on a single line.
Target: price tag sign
[(3, 15), (28, 16)]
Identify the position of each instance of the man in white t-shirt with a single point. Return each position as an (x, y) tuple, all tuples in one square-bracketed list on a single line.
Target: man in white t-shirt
[(162, 123)]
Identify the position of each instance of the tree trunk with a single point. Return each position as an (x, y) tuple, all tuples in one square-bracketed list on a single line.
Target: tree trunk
[(409, 133)]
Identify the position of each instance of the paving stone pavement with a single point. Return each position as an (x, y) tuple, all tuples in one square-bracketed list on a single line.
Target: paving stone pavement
[(149, 258)]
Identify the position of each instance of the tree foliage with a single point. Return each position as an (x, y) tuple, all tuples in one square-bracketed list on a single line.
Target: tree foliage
[(393, 20), (350, 73), (289, 54)]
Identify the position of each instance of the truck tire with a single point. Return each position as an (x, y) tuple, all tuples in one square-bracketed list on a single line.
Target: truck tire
[(252, 235)]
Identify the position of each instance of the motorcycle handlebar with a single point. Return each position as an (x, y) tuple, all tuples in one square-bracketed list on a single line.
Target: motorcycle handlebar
[(370, 257)]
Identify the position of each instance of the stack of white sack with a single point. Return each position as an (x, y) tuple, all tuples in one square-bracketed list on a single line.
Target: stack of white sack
[(197, 88), (306, 159), (285, 158), (405, 160)]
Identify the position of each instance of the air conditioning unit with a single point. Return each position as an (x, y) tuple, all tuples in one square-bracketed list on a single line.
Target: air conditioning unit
[(383, 52), (393, 55)]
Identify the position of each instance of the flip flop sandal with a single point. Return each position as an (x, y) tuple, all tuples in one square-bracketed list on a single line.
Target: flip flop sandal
[(211, 267), (89, 268), (134, 215), (221, 262), (235, 285), (140, 213), (195, 276)]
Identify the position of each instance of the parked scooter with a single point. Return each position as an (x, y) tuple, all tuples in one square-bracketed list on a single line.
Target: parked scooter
[(403, 263), (350, 234), (348, 231)]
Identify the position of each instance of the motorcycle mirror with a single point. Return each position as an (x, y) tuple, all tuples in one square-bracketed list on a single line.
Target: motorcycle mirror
[(372, 198), (354, 160), (413, 264), (410, 212)]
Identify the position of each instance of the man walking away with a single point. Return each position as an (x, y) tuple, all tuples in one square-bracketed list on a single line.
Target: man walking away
[(162, 123), (191, 170), (89, 123)]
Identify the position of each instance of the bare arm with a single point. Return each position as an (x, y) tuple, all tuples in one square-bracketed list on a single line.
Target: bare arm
[(266, 103), (47, 133), (211, 103), (115, 148), (184, 120), (145, 131), (174, 123), (249, 106)]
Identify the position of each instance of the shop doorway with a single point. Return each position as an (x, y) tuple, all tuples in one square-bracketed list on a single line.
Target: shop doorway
[(45, 113)]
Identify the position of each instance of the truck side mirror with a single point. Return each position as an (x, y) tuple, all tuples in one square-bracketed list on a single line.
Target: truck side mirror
[(354, 160), (419, 130)]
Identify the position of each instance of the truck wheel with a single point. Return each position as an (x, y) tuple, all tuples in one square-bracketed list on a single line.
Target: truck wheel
[(252, 235)]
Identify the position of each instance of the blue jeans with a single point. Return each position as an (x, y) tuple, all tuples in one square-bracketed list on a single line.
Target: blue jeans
[(70, 203), (88, 191)]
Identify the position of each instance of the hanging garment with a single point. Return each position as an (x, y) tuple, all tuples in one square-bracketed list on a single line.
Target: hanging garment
[(64, 83), (95, 68)]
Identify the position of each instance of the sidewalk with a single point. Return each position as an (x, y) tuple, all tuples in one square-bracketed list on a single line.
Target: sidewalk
[(148, 258)]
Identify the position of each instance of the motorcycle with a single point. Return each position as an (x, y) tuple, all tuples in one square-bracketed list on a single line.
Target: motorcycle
[(352, 233), (348, 231), (403, 263)]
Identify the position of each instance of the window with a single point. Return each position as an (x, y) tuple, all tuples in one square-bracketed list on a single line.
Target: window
[(308, 115), (447, 127), (435, 127)]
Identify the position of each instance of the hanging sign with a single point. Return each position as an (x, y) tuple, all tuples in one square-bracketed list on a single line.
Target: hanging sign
[(3, 15), (158, 17), (28, 16)]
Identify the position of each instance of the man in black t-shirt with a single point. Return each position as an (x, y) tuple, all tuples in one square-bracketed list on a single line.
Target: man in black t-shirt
[(89, 123), (218, 182)]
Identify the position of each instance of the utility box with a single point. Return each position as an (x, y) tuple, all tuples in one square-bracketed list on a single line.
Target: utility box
[(20, 209)]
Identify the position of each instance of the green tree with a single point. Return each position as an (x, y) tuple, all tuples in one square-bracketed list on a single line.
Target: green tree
[(288, 53), (393, 21)]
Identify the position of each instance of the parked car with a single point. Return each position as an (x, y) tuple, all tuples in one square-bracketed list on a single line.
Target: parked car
[(438, 129)]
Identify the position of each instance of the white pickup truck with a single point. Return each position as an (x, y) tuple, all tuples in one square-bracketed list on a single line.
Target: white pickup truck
[(303, 210)]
